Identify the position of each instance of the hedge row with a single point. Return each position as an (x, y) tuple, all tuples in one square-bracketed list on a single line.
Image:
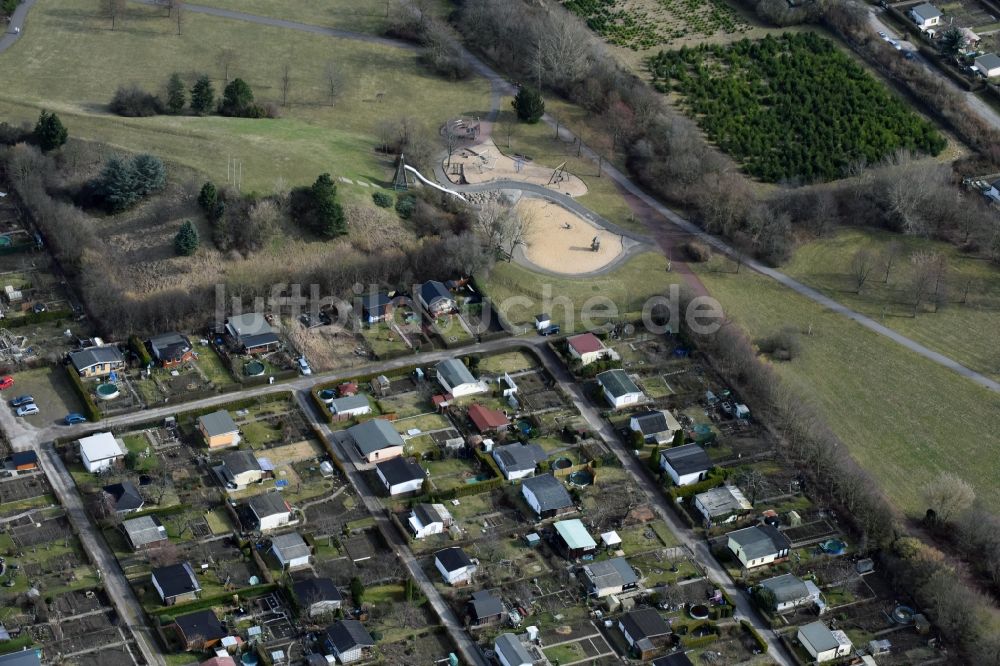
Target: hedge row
[(90, 409), (167, 615), (137, 346), (701, 641), (715, 478), (761, 643)]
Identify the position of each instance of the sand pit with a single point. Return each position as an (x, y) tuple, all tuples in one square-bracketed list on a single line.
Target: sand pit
[(560, 242), (484, 163)]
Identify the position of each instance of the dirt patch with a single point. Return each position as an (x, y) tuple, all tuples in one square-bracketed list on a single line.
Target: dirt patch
[(561, 242), (484, 163)]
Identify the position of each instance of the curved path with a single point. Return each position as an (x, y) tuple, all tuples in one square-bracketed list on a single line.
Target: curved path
[(16, 23)]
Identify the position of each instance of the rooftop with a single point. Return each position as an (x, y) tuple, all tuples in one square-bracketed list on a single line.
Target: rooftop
[(510, 647), (347, 635), (519, 457), (485, 418), (819, 636), (988, 61), (203, 625), (348, 403), (86, 358), (617, 383), (585, 343), (432, 291), (927, 10), (653, 422), (217, 423), (616, 572), (787, 587), (687, 459), (574, 534), (238, 462), (374, 435), (268, 504), (759, 541), (101, 446), (452, 559), (144, 530), (291, 546), (549, 491), (454, 372), (431, 513), (400, 470), (315, 590), (722, 500), (485, 604), (251, 323), (176, 579), (125, 495), (644, 623)]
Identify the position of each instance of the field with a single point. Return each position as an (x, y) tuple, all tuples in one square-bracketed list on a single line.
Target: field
[(964, 331), (341, 14), (627, 285), (791, 106), (904, 419), (641, 25), (42, 70)]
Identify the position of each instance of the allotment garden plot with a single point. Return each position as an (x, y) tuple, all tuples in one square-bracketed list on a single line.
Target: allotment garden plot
[(792, 106)]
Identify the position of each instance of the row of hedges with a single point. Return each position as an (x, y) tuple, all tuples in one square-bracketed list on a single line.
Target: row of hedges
[(37, 318), (758, 639), (90, 409), (716, 477), (137, 346), (280, 376), (167, 614)]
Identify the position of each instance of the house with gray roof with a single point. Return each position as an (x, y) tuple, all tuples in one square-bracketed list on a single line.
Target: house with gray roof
[(269, 511), (790, 592), (291, 551), (721, 505), (170, 349), (655, 425), (644, 630), (350, 406), (511, 652), (759, 545), (144, 532), (238, 469), (619, 389), (822, 644), (685, 464), (546, 495), (484, 608), (376, 440), (436, 298), (428, 519), (317, 596), (218, 429), (348, 641), (251, 333), (517, 460), (457, 379), (608, 577), (925, 15), (97, 361)]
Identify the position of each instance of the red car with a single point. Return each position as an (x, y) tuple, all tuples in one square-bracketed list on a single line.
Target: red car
[(6, 383)]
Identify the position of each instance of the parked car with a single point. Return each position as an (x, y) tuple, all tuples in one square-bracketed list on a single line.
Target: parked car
[(550, 330), (27, 410), (74, 418), (304, 366), (883, 35), (6, 382), (21, 400), (39, 308)]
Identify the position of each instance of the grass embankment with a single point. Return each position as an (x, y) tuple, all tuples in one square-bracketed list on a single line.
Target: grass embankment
[(904, 418), (628, 286), (55, 65), (966, 332)]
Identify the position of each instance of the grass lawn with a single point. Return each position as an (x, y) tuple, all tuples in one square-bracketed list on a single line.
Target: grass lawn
[(508, 362), (628, 286), (52, 392), (259, 434), (212, 365), (904, 418), (964, 331), (218, 521), (383, 340), (565, 654), (340, 14), (138, 444), (44, 70), (423, 422)]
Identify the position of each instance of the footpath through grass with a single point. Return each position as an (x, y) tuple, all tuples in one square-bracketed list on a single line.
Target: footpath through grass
[(904, 418), (69, 61), (966, 332)]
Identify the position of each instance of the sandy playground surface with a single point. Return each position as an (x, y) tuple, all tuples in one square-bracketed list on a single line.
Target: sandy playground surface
[(552, 245), (483, 163)]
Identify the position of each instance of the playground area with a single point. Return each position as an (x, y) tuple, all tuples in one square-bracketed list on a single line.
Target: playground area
[(562, 242), (484, 163)]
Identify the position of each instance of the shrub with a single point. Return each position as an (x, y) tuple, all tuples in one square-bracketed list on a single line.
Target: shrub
[(123, 183), (381, 199), (783, 345), (49, 132), (237, 100), (405, 206), (90, 409), (529, 105), (316, 208), (202, 95), (697, 251), (186, 241), (208, 197), (133, 102), (137, 346), (176, 98)]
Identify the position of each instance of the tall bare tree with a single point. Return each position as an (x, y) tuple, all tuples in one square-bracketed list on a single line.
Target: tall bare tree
[(286, 83), (890, 255), (227, 60), (948, 496), (115, 10), (863, 264), (179, 15), (333, 77)]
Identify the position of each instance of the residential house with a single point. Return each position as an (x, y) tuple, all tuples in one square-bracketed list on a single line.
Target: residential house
[(123, 498), (24, 461), (791, 592), (823, 644), (199, 630), (348, 641), (511, 652), (171, 349), (97, 361), (291, 551), (317, 596), (573, 540), (270, 511), (644, 630), (457, 380), (587, 348), (350, 406), (436, 298), (376, 440), (251, 334), (685, 464), (546, 495), (176, 583), (100, 452), (619, 389), (400, 475), (721, 505), (655, 425), (455, 566), (608, 577), (487, 420), (145, 532), (542, 321), (375, 308), (238, 469), (484, 608), (758, 545), (675, 659), (428, 519), (988, 65), (925, 15), (218, 429), (517, 461)]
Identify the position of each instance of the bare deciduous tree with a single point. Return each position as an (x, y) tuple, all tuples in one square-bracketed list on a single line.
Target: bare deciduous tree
[(890, 254), (286, 83), (333, 78), (863, 264), (948, 496), (115, 10), (227, 60)]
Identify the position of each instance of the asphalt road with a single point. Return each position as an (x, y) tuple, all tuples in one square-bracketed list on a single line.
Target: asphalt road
[(9, 35)]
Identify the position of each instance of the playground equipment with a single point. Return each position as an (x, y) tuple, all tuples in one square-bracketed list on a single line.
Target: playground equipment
[(558, 174), (595, 244)]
